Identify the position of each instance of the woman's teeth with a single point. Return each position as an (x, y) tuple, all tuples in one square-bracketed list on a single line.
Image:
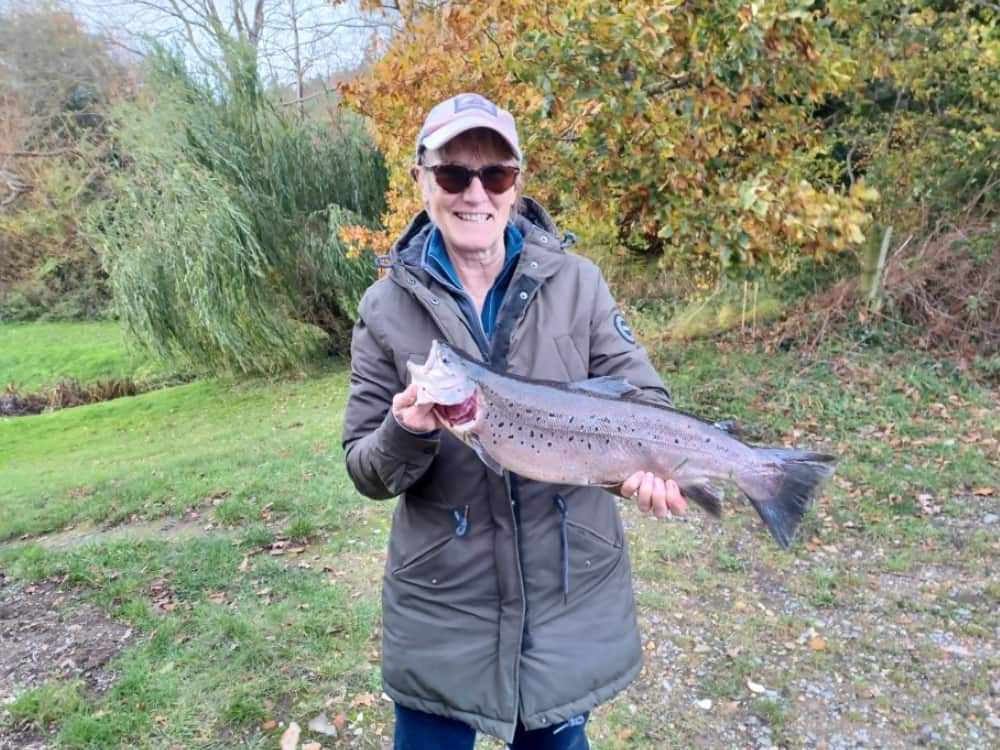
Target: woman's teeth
[(473, 217)]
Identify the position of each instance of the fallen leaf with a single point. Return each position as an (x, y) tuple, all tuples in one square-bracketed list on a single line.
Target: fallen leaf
[(290, 738), (245, 565), (312, 746), (339, 721), (363, 699), (983, 491), (817, 644), (268, 725)]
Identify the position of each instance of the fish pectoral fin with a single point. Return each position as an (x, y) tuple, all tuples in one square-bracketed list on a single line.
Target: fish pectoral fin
[(484, 456), (705, 494), (606, 385)]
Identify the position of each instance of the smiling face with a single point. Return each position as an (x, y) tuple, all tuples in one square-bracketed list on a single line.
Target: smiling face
[(472, 222)]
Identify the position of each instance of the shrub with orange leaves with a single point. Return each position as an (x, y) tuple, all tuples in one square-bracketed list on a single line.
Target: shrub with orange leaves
[(687, 128)]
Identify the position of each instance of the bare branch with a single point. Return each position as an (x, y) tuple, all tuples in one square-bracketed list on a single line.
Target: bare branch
[(40, 154), (678, 81), (15, 184)]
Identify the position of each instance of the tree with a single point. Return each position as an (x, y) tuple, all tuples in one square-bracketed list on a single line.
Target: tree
[(294, 40), (57, 83), (686, 129), (222, 241)]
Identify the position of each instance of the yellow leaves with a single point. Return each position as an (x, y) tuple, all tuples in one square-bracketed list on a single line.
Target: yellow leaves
[(696, 128), (863, 193), (359, 238)]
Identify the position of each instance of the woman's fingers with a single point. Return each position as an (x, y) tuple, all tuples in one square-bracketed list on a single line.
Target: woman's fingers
[(414, 417), (674, 499), (652, 493)]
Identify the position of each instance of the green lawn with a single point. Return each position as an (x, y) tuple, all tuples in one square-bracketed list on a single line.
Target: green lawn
[(37, 355), (274, 593)]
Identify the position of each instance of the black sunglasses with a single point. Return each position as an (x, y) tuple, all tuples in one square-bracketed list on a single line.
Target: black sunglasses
[(454, 178)]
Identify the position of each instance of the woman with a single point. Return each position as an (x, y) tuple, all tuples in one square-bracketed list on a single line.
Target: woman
[(482, 631)]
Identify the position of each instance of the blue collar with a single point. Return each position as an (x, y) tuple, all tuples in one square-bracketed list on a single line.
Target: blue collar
[(437, 262)]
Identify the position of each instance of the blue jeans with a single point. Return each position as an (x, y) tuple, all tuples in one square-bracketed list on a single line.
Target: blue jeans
[(416, 730)]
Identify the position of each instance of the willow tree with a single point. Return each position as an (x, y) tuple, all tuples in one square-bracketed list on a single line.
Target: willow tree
[(222, 244)]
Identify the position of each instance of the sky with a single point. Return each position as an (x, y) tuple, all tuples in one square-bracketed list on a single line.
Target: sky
[(332, 38)]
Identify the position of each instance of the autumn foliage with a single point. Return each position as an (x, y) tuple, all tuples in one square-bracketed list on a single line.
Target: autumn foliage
[(686, 130)]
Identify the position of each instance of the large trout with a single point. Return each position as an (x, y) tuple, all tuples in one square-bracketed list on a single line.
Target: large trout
[(594, 433)]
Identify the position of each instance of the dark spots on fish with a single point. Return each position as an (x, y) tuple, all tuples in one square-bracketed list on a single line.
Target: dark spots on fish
[(677, 441), (571, 419), (708, 440), (531, 433), (589, 446), (550, 444), (500, 424), (511, 436), (551, 415), (571, 438)]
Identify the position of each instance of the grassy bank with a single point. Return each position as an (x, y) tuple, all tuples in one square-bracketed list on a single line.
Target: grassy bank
[(217, 523), (38, 355)]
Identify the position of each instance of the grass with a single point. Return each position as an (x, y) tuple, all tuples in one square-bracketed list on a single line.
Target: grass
[(34, 356), (242, 447), (234, 631)]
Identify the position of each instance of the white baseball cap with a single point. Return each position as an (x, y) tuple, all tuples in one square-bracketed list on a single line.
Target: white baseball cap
[(465, 112)]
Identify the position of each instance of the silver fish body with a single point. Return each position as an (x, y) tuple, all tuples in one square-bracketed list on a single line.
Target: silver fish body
[(592, 433)]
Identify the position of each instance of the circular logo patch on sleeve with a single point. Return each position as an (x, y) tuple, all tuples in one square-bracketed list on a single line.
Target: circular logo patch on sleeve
[(623, 330)]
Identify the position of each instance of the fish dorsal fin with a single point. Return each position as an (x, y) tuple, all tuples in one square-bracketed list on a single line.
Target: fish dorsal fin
[(485, 457), (606, 385)]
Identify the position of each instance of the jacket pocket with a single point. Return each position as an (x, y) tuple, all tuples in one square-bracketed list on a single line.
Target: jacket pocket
[(592, 556), (417, 565)]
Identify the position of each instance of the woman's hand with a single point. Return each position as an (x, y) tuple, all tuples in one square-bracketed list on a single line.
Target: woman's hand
[(652, 493), (411, 415)]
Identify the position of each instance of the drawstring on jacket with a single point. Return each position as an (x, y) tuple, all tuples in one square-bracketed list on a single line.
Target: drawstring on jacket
[(560, 503), (461, 520)]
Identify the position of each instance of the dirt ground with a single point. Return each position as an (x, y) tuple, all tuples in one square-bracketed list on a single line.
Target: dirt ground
[(47, 634), (735, 657)]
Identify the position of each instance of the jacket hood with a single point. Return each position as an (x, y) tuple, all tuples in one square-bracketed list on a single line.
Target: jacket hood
[(410, 245)]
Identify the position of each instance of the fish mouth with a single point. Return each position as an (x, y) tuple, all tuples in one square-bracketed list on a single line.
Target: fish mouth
[(459, 415)]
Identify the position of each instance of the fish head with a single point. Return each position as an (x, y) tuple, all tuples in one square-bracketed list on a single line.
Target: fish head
[(443, 378)]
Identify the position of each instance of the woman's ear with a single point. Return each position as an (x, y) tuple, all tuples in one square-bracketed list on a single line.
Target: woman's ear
[(415, 172)]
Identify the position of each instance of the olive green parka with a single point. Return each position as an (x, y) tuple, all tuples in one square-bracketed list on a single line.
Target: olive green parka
[(480, 622)]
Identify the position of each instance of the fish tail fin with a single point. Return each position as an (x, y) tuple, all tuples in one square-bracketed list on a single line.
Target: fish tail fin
[(795, 479)]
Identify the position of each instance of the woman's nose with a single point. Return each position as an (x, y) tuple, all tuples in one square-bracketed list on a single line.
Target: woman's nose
[(475, 191)]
